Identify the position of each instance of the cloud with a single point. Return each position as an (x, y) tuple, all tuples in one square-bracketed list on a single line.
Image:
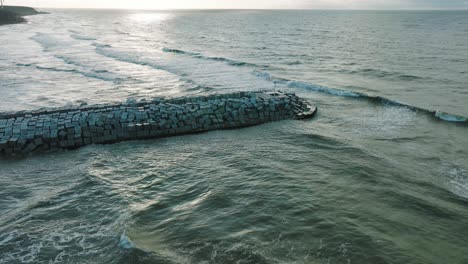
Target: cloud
[(386, 4), (313, 4)]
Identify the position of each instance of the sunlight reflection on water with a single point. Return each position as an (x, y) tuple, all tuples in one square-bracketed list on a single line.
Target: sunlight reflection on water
[(150, 17)]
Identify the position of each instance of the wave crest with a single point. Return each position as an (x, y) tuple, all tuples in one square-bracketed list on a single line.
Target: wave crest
[(450, 117), (347, 93), (378, 73), (305, 85), (215, 58), (81, 37), (169, 50)]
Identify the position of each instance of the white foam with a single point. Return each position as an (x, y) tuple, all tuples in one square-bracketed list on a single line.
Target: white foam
[(450, 117), (346, 93), (304, 85), (81, 37), (319, 88), (125, 242), (46, 41), (382, 122), (458, 180)]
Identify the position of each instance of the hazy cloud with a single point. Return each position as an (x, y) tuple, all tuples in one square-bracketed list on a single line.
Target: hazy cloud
[(321, 4), (386, 4)]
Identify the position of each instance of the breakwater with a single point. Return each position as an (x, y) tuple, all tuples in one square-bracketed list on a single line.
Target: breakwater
[(73, 127)]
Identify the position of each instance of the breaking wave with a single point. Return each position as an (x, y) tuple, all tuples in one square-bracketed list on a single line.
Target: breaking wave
[(222, 59), (305, 85), (169, 50), (332, 91), (125, 242), (47, 42), (100, 45), (293, 62), (347, 93), (133, 58), (377, 73), (81, 37), (456, 177), (99, 75), (450, 117)]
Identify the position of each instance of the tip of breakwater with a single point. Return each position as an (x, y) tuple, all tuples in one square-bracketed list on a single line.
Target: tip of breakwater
[(24, 132)]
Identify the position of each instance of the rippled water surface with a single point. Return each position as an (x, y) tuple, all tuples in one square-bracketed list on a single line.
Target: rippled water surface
[(377, 177)]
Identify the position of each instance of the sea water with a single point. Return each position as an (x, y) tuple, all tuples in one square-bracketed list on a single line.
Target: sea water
[(379, 176)]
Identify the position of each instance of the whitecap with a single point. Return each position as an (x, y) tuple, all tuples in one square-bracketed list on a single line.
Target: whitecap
[(456, 178), (450, 117), (347, 93), (125, 242), (81, 37)]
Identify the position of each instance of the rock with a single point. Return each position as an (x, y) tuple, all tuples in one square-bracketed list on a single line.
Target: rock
[(131, 102), (72, 127)]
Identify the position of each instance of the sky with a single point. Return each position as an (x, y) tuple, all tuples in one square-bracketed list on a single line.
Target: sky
[(247, 4)]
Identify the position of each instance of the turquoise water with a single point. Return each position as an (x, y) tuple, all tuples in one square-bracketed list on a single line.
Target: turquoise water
[(377, 177)]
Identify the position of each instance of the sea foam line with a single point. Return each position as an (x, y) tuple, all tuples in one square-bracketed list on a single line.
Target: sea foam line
[(305, 85), (99, 75), (347, 93)]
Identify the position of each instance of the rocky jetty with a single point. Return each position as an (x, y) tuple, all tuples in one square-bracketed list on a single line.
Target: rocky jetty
[(72, 127)]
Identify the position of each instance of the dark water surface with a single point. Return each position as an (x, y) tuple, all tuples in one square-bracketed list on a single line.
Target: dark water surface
[(366, 181)]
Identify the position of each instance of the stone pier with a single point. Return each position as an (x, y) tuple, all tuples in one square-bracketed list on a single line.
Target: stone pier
[(73, 127)]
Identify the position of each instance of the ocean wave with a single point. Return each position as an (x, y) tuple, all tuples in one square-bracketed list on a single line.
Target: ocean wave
[(195, 86), (222, 59), (456, 176), (450, 117), (402, 139), (100, 45), (47, 42), (122, 32), (435, 113), (89, 71), (5, 238), (130, 57), (93, 74), (200, 88), (135, 58), (377, 73), (305, 85), (125, 242), (347, 93), (229, 61), (69, 60), (169, 50), (293, 62), (319, 88), (269, 77), (81, 37)]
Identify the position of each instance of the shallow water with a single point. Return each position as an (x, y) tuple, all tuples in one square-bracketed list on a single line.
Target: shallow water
[(366, 181)]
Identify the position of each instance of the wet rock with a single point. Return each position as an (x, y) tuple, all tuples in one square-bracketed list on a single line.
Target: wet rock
[(71, 127)]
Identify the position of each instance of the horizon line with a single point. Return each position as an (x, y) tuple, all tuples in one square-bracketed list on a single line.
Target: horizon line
[(245, 9)]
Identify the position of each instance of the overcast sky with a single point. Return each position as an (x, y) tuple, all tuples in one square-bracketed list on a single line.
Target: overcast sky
[(253, 4)]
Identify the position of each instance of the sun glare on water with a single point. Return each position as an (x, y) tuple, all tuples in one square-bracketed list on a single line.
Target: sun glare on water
[(150, 17)]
